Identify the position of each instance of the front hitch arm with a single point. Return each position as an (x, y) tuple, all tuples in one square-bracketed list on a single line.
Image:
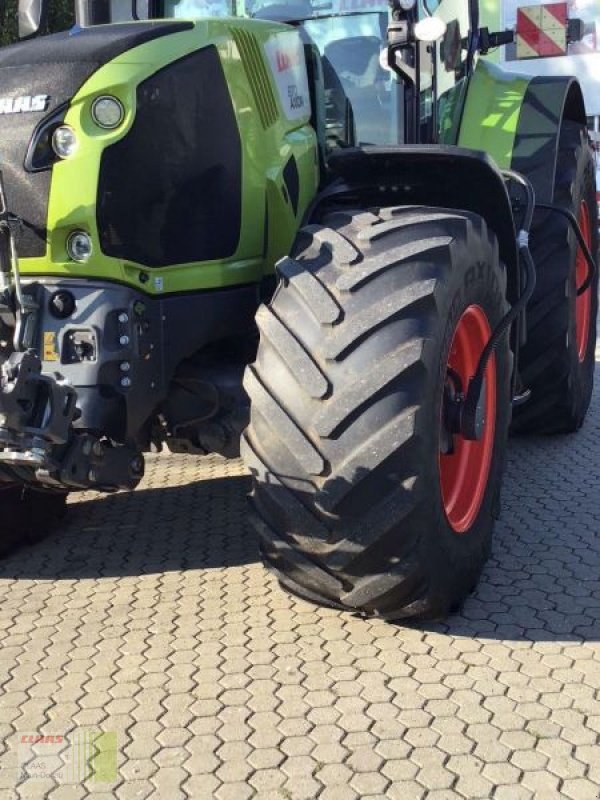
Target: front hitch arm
[(37, 437), (25, 308), (36, 410)]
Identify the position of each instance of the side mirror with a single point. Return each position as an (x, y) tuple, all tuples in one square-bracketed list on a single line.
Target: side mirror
[(32, 17)]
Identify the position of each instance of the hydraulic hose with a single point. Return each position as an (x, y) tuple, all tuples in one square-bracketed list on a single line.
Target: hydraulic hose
[(592, 266), (471, 403)]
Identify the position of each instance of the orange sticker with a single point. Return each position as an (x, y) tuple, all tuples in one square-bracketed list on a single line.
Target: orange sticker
[(50, 349)]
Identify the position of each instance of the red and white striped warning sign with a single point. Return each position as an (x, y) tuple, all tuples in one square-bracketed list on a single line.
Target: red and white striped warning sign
[(542, 30)]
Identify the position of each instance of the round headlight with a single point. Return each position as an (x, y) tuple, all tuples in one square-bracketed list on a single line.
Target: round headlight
[(406, 5), (64, 141), (79, 246), (107, 112)]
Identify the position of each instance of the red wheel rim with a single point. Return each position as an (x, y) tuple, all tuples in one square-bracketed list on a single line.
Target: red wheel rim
[(583, 302), (464, 473)]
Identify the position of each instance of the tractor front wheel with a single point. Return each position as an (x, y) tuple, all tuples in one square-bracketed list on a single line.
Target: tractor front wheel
[(367, 496)]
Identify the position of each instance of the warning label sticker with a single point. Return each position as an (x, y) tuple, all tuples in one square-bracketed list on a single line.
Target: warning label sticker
[(50, 349), (285, 55)]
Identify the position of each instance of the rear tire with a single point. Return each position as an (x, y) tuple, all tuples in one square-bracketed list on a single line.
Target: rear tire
[(346, 402), (557, 362)]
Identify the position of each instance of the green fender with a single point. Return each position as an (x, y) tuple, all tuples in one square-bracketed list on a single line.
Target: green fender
[(491, 112), (516, 120)]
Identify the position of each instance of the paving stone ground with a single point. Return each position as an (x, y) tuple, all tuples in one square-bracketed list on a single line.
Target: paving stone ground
[(149, 615)]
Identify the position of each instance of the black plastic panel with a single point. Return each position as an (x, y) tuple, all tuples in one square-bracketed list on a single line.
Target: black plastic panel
[(292, 182), (170, 191), (27, 194)]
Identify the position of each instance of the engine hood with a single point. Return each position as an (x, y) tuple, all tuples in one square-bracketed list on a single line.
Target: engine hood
[(95, 45), (57, 65)]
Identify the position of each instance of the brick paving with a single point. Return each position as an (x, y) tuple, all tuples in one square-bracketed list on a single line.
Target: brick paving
[(149, 615)]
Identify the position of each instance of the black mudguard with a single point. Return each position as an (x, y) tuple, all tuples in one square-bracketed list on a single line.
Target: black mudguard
[(547, 101), (434, 175)]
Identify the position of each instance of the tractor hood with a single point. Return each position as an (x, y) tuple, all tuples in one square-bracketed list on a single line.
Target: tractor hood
[(86, 48), (39, 77)]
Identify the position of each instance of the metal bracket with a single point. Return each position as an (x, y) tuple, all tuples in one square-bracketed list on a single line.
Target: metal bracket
[(91, 462), (26, 309), (36, 411), (36, 433)]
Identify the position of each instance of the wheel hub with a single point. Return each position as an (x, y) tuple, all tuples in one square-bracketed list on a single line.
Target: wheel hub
[(466, 439), (456, 421)]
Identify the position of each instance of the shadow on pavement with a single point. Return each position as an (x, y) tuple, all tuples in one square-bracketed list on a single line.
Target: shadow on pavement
[(541, 583), (201, 525)]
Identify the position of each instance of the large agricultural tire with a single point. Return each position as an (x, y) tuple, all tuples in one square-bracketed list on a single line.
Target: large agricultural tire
[(557, 363), (346, 403), (27, 515)]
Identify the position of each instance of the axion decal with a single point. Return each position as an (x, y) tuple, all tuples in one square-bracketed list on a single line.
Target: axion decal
[(24, 103), (542, 30), (285, 55)]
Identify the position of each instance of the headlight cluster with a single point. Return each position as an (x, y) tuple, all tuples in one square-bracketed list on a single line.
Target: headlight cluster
[(107, 112)]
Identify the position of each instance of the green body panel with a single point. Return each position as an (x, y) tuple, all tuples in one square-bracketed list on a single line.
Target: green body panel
[(265, 151), (490, 117), (451, 105)]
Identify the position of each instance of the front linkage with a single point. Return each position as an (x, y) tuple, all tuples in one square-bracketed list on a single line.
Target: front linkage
[(38, 441)]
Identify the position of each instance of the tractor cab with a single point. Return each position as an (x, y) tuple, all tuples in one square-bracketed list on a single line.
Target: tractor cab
[(357, 79), (125, 11)]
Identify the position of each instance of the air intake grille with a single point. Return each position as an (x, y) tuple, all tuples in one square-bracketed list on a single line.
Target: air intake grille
[(170, 191), (253, 60)]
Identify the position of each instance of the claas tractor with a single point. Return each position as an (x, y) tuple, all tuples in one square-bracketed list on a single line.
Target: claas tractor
[(331, 235)]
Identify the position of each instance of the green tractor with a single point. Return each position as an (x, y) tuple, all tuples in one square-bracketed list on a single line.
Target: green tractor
[(329, 235)]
